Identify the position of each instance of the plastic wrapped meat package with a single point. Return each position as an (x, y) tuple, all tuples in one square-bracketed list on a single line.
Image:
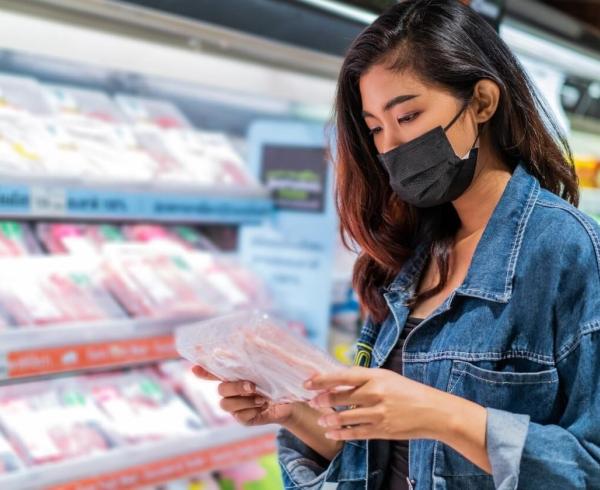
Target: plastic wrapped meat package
[(158, 281), (25, 144), (168, 167), (74, 238), (111, 151), (52, 290), (90, 104), (241, 287), (17, 240), (146, 233), (152, 112), (140, 408), (208, 157), (23, 94), (202, 394), (52, 421), (9, 461), (255, 346)]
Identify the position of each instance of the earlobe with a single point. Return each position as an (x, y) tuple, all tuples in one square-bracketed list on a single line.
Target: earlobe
[(487, 97)]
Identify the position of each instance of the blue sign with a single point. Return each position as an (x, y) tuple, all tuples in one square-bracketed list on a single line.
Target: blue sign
[(293, 249)]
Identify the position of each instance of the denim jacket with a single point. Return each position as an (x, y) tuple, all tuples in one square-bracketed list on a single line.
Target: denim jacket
[(520, 336)]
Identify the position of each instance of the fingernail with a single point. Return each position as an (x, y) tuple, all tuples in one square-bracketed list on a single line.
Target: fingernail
[(247, 387), (329, 435), (259, 401), (308, 384), (321, 422)]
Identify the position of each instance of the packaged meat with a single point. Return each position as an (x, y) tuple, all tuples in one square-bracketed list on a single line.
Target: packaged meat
[(195, 239), (9, 461), (202, 394), (89, 104), (157, 282), (49, 422), (55, 290), (75, 238), (25, 94), (17, 239), (241, 287), (152, 112), (146, 233), (255, 346), (141, 408)]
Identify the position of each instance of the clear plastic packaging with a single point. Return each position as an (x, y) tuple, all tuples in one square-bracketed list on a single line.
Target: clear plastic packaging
[(255, 346)]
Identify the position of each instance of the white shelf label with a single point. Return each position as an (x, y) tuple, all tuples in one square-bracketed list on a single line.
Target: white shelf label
[(48, 200)]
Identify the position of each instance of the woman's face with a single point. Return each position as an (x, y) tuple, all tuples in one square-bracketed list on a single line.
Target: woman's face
[(398, 107)]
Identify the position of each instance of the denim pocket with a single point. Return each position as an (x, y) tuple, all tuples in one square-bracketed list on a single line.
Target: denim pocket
[(533, 392)]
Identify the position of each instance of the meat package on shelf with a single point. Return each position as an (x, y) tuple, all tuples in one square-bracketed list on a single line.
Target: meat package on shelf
[(55, 131), (63, 419)]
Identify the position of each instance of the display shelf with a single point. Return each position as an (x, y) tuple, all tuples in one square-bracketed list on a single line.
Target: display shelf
[(39, 351), (148, 464), (38, 198)]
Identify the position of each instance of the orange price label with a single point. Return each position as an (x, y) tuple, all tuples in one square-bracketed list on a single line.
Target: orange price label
[(177, 467), (35, 362)]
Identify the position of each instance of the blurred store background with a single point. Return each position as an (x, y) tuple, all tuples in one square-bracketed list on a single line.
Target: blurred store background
[(163, 161)]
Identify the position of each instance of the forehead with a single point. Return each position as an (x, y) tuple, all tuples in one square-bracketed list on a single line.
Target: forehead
[(379, 84)]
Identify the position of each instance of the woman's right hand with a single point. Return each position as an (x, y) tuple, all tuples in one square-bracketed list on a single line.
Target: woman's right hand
[(247, 407)]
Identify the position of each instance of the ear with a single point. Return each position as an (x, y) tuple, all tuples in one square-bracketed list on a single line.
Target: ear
[(486, 96)]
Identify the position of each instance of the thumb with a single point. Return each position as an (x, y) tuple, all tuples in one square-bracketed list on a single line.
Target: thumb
[(204, 374)]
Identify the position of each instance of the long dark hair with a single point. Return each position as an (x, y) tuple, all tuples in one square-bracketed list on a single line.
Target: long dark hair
[(447, 44)]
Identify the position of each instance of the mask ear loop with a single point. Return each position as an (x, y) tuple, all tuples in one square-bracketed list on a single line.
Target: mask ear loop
[(463, 108)]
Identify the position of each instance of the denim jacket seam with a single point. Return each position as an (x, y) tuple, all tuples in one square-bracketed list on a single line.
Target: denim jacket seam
[(587, 329), (480, 356), (322, 476), (468, 373), (292, 465), (532, 199), (581, 218)]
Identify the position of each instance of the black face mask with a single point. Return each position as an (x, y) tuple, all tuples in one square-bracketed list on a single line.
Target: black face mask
[(425, 172)]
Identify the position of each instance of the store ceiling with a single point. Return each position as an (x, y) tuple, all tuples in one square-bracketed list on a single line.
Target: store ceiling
[(587, 11)]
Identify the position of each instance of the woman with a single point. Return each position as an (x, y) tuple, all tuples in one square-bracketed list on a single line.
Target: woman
[(481, 280)]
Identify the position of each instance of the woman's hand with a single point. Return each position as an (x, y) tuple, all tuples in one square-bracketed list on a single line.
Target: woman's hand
[(384, 405), (247, 407)]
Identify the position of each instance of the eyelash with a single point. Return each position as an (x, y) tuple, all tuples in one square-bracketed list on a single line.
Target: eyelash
[(405, 119)]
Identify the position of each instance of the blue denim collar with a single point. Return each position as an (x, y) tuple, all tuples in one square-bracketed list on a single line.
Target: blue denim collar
[(490, 275)]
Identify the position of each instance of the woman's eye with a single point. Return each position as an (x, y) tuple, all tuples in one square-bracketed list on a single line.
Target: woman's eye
[(374, 131), (410, 117)]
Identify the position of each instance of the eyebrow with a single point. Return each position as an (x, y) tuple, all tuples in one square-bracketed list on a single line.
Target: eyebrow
[(399, 99)]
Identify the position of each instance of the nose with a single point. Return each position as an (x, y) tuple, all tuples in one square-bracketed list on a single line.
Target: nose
[(389, 141)]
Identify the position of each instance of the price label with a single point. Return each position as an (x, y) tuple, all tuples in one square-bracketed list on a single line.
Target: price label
[(48, 201)]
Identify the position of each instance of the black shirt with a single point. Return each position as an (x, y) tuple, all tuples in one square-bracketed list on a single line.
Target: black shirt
[(398, 465)]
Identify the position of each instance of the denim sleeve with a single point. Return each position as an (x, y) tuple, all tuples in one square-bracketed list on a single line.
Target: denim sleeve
[(528, 455), (301, 466)]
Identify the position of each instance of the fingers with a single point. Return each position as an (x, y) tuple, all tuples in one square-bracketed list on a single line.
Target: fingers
[(340, 420), (237, 388), (246, 417), (333, 399), (239, 403), (360, 396), (359, 433), (203, 373), (355, 376)]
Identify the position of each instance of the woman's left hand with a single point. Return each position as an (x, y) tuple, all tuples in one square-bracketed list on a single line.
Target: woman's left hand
[(384, 405)]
